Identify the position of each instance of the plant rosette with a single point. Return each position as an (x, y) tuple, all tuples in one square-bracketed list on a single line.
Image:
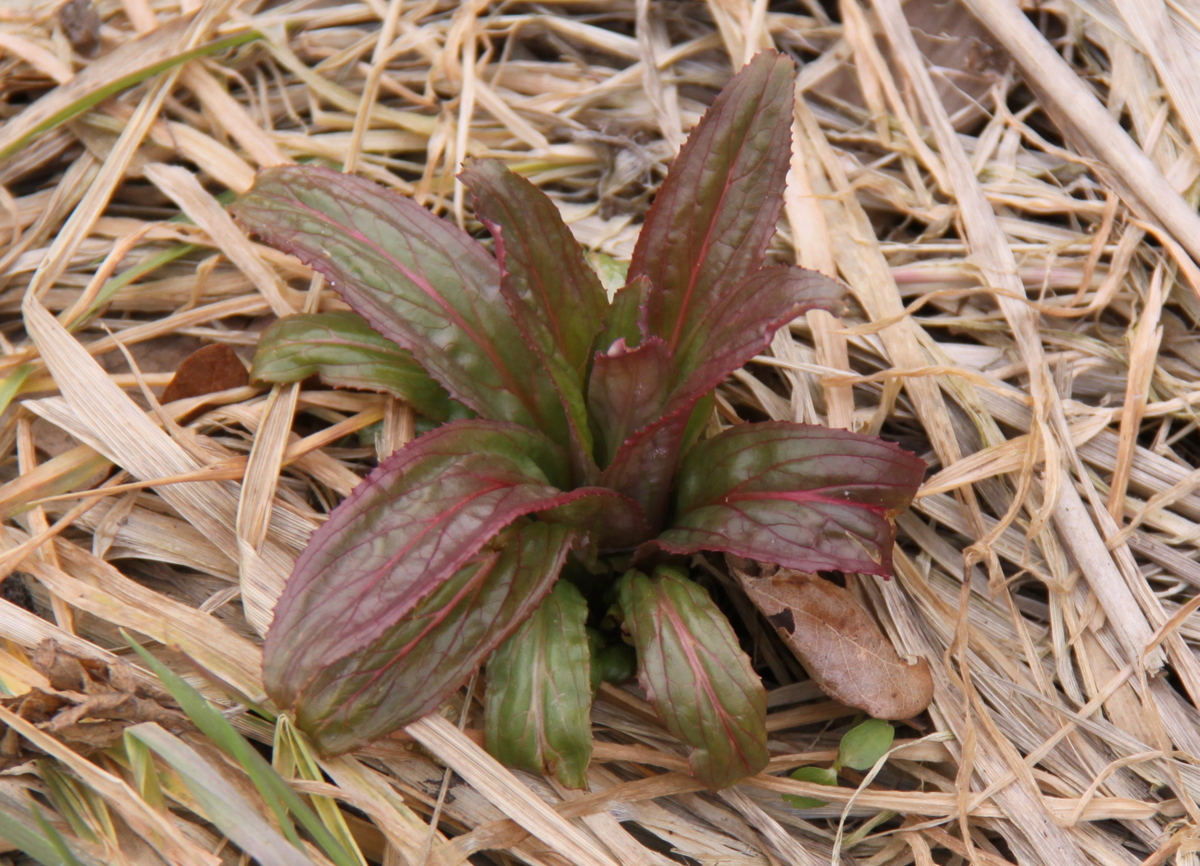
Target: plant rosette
[(541, 524)]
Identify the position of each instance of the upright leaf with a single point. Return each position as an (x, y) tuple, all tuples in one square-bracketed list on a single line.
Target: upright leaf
[(641, 399), (417, 279), (625, 318), (410, 526), (555, 296), (805, 497), (537, 715), (420, 659), (627, 391), (346, 352), (696, 675), (716, 211), (741, 322)]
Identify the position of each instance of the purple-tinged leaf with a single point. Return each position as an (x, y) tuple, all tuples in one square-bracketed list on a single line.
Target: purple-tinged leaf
[(644, 466), (740, 324), (411, 524), (640, 437), (345, 352), (626, 391), (696, 675), (419, 660), (804, 497), (716, 211), (417, 279), (537, 714), (555, 297)]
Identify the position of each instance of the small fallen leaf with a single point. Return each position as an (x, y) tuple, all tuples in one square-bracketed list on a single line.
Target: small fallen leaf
[(839, 644), (207, 370)]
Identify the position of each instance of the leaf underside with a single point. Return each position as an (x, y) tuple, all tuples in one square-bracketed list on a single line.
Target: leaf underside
[(696, 675), (537, 713), (343, 350)]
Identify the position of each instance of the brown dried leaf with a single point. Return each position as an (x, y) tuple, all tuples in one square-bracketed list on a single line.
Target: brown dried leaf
[(93, 705), (207, 370), (839, 644)]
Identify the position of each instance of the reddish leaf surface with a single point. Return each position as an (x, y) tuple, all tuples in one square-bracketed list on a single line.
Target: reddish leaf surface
[(418, 661), (741, 322), (346, 352), (696, 675), (802, 496), (537, 714), (556, 299), (714, 214), (418, 280), (206, 371), (627, 390), (840, 645), (406, 530)]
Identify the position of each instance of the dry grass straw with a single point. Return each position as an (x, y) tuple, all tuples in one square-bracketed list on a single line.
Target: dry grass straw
[(1012, 205)]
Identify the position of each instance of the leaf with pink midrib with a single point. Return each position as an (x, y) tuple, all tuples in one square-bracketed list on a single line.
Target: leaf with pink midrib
[(417, 279), (805, 497)]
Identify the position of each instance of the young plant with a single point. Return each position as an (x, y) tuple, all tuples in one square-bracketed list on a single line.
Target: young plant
[(861, 747), (570, 448)]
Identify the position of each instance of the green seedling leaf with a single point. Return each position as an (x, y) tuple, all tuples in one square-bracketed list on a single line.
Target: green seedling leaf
[(556, 299), (625, 318), (417, 279), (805, 497), (537, 713), (348, 701), (696, 676), (346, 352), (714, 214), (612, 273), (818, 775), (275, 790), (29, 831), (865, 744), (222, 803), (615, 664)]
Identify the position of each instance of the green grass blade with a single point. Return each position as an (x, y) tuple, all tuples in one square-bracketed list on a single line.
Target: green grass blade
[(222, 803), (273, 787), (114, 87)]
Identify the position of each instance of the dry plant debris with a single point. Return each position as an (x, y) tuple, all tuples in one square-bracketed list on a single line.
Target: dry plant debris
[(1008, 192)]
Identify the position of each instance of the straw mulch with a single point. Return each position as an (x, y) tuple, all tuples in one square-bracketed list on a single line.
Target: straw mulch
[(1011, 201)]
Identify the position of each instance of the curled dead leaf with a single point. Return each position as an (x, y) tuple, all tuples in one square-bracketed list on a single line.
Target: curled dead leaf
[(839, 643)]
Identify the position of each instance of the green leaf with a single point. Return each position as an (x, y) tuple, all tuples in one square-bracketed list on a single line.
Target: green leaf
[(274, 789), (345, 352), (696, 675), (222, 803), (716, 211), (865, 744), (537, 714), (804, 497), (30, 832), (417, 279), (347, 701), (555, 297), (820, 776)]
